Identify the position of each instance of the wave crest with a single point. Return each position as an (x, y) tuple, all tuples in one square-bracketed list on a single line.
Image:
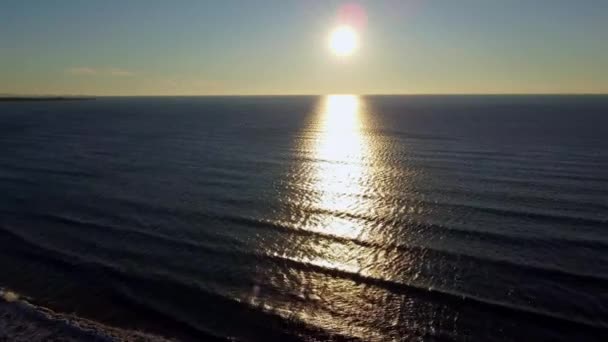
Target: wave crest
[(24, 321)]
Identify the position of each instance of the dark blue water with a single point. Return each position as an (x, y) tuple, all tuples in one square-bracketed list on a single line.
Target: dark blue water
[(307, 218)]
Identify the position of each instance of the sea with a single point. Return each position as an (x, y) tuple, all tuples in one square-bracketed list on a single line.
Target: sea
[(305, 218)]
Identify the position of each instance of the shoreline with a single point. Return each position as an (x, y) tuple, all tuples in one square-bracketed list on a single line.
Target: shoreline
[(23, 321)]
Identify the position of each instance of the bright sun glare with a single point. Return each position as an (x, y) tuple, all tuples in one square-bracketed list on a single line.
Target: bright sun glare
[(343, 41)]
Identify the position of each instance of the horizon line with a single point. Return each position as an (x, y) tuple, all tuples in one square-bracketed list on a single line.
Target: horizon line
[(311, 94)]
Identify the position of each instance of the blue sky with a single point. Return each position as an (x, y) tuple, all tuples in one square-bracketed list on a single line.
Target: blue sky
[(195, 47)]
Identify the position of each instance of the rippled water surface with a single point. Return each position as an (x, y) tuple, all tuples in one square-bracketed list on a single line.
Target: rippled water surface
[(312, 218)]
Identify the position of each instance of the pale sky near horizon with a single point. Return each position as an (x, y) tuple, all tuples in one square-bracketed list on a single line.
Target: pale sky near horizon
[(188, 47)]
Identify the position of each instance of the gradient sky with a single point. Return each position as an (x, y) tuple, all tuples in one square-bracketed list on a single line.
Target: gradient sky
[(196, 47)]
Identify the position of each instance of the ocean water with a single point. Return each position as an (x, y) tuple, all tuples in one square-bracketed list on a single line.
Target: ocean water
[(374, 218)]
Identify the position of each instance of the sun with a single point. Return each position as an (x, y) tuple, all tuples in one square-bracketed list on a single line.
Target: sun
[(343, 41)]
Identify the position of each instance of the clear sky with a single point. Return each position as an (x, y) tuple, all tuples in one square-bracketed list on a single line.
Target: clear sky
[(197, 47)]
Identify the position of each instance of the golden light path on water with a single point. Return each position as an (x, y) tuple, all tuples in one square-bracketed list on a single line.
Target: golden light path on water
[(334, 195), (342, 153), (334, 187)]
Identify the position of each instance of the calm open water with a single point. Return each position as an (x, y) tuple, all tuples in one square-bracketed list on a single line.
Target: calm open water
[(312, 218)]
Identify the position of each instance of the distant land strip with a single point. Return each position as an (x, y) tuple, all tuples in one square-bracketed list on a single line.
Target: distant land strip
[(43, 98)]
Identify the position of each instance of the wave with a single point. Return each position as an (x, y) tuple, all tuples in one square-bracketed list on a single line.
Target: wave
[(547, 215), (152, 288), (49, 171), (505, 237), (171, 282), (213, 243), (576, 220), (140, 233), (515, 161), (381, 245), (24, 321)]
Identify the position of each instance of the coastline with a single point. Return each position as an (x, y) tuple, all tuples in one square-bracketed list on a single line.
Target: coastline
[(43, 99), (22, 321)]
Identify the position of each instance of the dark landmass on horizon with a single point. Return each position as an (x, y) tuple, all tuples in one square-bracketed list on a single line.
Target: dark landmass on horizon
[(43, 98)]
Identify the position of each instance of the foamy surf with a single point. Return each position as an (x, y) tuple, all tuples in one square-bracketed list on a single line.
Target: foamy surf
[(21, 320)]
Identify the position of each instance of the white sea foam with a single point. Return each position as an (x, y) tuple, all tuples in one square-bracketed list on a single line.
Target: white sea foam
[(23, 321)]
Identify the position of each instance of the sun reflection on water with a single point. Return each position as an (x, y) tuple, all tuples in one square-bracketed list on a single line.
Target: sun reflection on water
[(335, 257), (333, 195), (341, 172)]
